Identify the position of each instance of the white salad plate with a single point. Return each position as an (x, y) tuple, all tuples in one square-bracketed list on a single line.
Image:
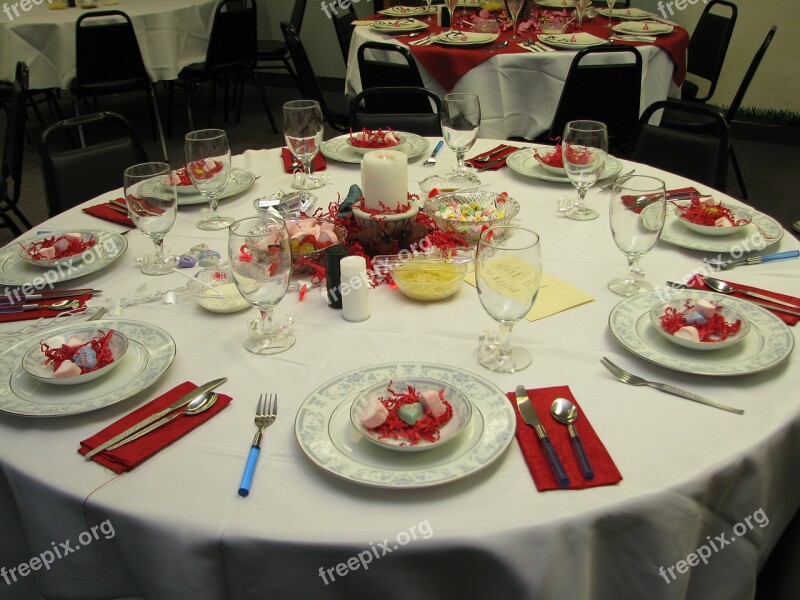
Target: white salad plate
[(466, 38), (524, 162), (239, 182), (407, 11), (398, 25), (328, 437), (339, 149), (628, 14), (572, 40), (643, 28)]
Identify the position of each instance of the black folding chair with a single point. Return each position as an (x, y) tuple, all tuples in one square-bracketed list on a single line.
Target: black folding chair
[(73, 174), (424, 123), (343, 24), (384, 65), (273, 51), (707, 49), (108, 60), (13, 151)]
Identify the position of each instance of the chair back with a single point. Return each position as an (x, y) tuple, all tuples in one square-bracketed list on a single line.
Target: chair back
[(298, 12), (608, 92), (14, 150), (422, 123), (343, 24), (748, 76), (708, 47), (389, 64), (233, 41), (111, 147), (107, 55), (698, 156)]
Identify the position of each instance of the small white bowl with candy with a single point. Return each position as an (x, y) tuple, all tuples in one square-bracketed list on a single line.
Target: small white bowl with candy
[(53, 249), (699, 324), (368, 140), (708, 216), (75, 357)]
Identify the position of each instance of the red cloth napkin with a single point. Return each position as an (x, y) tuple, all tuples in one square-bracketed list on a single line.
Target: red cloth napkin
[(43, 312), (131, 455), (104, 211), (605, 471), (318, 163), (498, 161), (698, 282)]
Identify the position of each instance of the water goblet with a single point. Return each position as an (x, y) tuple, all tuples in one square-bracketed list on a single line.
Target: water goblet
[(611, 4), (584, 147), (429, 17), (208, 163), (460, 120), (514, 6), (451, 8), (508, 271), (261, 261), (152, 205), (580, 10), (636, 214), (303, 130)]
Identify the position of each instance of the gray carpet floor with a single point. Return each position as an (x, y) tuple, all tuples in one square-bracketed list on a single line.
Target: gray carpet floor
[(767, 167)]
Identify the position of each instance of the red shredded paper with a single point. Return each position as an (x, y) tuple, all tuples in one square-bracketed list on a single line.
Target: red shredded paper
[(367, 138), (99, 344), (714, 329), (427, 428), (76, 246), (701, 214)]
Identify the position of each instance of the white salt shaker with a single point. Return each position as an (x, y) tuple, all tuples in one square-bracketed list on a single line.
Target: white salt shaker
[(354, 289)]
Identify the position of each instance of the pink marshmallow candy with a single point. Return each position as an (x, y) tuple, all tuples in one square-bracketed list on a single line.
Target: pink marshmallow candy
[(688, 333), (705, 308), (67, 369), (374, 414), (431, 400)]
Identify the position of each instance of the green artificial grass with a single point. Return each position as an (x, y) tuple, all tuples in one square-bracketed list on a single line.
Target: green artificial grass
[(768, 116)]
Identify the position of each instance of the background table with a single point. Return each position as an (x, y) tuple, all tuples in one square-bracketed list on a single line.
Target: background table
[(519, 93), (181, 531), (171, 34)]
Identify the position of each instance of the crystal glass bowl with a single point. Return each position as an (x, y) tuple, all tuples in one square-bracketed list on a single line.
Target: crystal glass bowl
[(471, 230), (427, 277), (215, 290)]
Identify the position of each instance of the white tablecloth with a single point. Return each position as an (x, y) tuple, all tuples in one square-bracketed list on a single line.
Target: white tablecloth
[(519, 93), (180, 531), (171, 34)]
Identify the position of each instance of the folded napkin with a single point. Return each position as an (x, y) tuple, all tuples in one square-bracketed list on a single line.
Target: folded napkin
[(698, 282), (131, 455), (605, 471), (498, 161), (288, 158), (106, 212), (44, 312)]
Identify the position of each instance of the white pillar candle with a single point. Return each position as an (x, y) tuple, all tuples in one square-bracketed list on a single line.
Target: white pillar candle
[(354, 289), (384, 179)]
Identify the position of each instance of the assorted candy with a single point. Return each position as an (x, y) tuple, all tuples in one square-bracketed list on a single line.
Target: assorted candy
[(471, 212), (699, 322), (381, 138), (204, 169), (200, 255), (308, 235), (76, 357), (407, 415), (180, 177), (707, 210), (59, 246)]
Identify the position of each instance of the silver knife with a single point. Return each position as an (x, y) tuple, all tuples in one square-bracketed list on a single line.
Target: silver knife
[(529, 415), (491, 165), (674, 284), (10, 299), (182, 401)]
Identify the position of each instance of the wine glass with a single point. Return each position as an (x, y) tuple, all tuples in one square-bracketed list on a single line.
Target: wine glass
[(451, 8), (580, 10), (461, 119), (152, 205), (584, 148), (430, 18), (261, 262), (208, 163), (611, 4), (508, 271), (302, 130), (514, 6), (636, 215)]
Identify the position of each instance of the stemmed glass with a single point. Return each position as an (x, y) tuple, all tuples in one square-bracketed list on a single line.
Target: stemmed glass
[(302, 130), (430, 18), (451, 8), (611, 4), (152, 205), (208, 163), (461, 119), (636, 215), (508, 271), (261, 261), (580, 9), (514, 6), (584, 148)]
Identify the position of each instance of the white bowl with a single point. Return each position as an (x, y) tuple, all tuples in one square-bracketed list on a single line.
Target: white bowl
[(711, 230), (729, 314), (546, 167), (462, 412), (24, 247), (393, 223), (361, 150), (34, 360), (214, 289)]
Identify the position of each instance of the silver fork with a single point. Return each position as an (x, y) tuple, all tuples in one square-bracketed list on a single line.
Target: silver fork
[(606, 189), (630, 379), (432, 159), (266, 413)]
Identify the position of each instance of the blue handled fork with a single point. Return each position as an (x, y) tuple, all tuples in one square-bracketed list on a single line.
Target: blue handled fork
[(266, 413)]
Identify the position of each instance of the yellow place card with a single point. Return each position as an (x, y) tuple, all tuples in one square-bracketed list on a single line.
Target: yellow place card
[(555, 296)]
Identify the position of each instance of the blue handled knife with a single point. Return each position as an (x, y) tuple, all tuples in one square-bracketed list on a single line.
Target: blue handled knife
[(531, 418)]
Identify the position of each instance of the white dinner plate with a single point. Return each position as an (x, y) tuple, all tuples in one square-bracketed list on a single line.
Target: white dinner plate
[(642, 28), (524, 162), (16, 271), (466, 38), (767, 344), (406, 11), (763, 231), (572, 41), (338, 148), (397, 25), (563, 4), (151, 351), (239, 182), (629, 14), (329, 438)]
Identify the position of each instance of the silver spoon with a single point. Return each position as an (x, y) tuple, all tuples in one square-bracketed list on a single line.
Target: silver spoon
[(487, 157), (723, 287), (60, 305), (195, 407), (566, 412)]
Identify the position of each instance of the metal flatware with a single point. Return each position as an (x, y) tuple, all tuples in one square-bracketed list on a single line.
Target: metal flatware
[(755, 260), (566, 413), (543, 48), (10, 298), (491, 165), (432, 159), (99, 314), (65, 304), (496, 46), (723, 287), (530, 417), (266, 413), (680, 286), (180, 402), (484, 158), (630, 379)]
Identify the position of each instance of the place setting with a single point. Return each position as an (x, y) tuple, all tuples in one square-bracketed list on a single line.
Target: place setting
[(350, 148)]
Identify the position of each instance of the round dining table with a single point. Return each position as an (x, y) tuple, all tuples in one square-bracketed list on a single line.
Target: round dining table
[(171, 34), (704, 494)]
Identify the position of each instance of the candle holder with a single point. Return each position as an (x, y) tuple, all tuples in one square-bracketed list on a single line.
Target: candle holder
[(391, 223)]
